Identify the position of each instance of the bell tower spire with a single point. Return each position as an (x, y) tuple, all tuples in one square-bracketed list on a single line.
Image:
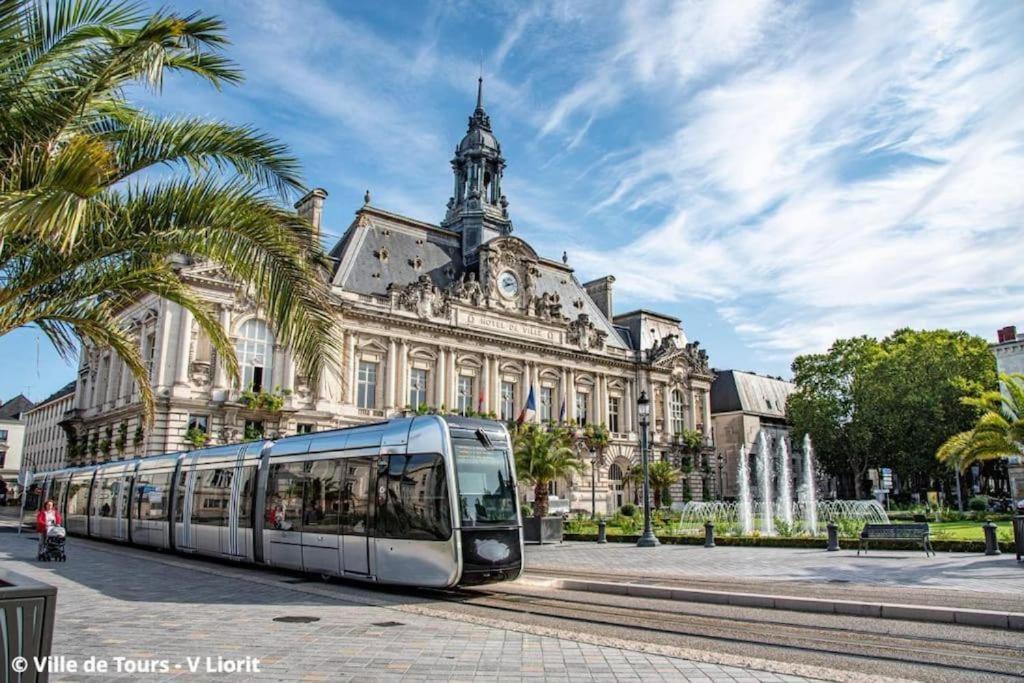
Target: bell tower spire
[(477, 208)]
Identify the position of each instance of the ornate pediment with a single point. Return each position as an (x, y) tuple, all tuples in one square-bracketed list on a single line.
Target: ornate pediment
[(421, 297), (668, 350), (584, 333)]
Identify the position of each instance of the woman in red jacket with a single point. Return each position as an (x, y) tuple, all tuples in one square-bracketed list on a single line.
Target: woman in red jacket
[(47, 517)]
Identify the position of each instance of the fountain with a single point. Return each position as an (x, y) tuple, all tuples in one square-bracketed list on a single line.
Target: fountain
[(764, 478), (801, 517), (810, 493), (746, 510), (785, 494)]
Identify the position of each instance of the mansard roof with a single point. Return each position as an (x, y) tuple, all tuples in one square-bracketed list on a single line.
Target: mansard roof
[(15, 408), (734, 390), (382, 248)]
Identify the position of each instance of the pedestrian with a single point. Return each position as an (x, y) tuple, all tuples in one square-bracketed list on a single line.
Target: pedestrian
[(48, 516)]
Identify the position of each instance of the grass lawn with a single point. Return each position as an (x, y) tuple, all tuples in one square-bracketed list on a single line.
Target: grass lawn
[(967, 531)]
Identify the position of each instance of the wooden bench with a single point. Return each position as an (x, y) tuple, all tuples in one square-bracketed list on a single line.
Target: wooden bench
[(896, 532)]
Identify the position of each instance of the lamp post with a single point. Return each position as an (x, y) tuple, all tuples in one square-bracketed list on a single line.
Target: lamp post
[(643, 409), (721, 484), (593, 484)]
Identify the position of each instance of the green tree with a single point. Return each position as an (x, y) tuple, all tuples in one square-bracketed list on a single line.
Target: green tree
[(998, 433), (912, 395), (83, 235), (542, 456), (662, 476), (828, 405)]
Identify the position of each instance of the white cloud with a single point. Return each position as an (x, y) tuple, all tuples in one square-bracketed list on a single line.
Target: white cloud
[(863, 173)]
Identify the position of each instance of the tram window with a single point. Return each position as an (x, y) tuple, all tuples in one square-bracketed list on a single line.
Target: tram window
[(104, 498), (179, 504), (248, 476), (211, 496), (415, 499), (56, 493), (355, 494), (78, 496), (486, 491), (284, 496), (320, 502), (151, 496)]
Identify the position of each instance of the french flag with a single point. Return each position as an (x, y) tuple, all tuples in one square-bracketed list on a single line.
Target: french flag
[(529, 410), (561, 413)]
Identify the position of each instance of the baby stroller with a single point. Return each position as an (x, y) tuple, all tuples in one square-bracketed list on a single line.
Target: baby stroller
[(53, 548)]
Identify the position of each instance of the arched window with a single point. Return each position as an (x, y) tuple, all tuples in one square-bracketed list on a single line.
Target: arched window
[(615, 473), (255, 350), (676, 412)]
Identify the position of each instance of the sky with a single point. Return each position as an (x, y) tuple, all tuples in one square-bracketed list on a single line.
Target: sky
[(776, 175)]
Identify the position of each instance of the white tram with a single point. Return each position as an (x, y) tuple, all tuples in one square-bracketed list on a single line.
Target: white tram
[(422, 501)]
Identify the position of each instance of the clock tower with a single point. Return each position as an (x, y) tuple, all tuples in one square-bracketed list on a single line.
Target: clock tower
[(477, 209)]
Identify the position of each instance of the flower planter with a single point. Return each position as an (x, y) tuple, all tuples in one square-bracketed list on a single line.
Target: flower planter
[(29, 607), (543, 529)]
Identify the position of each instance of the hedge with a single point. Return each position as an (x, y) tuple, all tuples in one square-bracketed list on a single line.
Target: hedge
[(798, 542)]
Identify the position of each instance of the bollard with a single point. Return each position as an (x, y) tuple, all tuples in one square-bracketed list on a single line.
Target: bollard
[(601, 537), (709, 534), (991, 544), (833, 537)]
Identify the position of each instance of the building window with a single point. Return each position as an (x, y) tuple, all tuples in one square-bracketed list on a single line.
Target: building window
[(199, 422), (3, 435), (613, 414), (676, 412), (465, 395), (366, 394), (582, 400), (255, 351), (546, 399), (149, 352), (417, 388), (305, 428), (508, 402)]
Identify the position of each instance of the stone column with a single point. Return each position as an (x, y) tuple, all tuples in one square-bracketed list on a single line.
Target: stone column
[(288, 379), (570, 398), (563, 396), (524, 393), (184, 347), (113, 364), (389, 386), (602, 400), (220, 375), (691, 412), (707, 413), (164, 339), (485, 384), (402, 381), (125, 387), (496, 386), (535, 382), (452, 376), (667, 411), (439, 381), (351, 370), (628, 409)]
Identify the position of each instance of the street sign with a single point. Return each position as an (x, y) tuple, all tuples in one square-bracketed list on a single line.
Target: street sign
[(886, 478)]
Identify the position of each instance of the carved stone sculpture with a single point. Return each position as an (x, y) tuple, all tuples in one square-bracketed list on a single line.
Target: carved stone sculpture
[(583, 332)]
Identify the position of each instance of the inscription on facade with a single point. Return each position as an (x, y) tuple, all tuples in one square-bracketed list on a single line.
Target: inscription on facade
[(508, 327)]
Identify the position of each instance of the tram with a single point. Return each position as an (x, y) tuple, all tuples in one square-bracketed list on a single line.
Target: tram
[(419, 501)]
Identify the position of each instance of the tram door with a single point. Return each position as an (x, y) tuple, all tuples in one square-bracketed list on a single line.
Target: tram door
[(283, 516), (320, 512), (355, 511)]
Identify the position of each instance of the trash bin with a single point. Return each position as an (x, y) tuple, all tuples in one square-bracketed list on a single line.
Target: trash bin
[(1018, 536), (27, 607)]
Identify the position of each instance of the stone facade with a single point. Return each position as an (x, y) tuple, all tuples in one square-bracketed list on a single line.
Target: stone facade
[(1009, 353), (461, 316), (743, 404), (46, 441), (12, 437)]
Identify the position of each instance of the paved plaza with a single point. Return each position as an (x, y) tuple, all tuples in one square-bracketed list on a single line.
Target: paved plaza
[(120, 602), (899, 576)]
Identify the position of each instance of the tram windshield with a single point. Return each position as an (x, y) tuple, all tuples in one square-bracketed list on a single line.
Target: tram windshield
[(487, 493)]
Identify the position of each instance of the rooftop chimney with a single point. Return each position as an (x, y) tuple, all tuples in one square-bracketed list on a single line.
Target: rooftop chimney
[(311, 206), (600, 290), (1007, 334)]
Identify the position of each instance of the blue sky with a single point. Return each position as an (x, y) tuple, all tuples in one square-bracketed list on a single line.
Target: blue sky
[(777, 175)]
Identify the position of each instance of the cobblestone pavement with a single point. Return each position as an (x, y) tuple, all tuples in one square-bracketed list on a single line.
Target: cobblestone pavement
[(120, 602), (1000, 576)]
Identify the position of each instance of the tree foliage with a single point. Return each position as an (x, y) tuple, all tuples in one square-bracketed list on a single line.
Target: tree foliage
[(542, 456), (83, 234), (998, 433), (892, 403)]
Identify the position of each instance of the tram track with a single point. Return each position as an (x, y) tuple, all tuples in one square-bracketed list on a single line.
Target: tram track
[(764, 634)]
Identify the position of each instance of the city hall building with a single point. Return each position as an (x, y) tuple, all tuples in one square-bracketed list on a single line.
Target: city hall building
[(461, 316)]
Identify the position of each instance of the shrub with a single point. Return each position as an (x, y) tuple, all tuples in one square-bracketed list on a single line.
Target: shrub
[(526, 509), (978, 503), (628, 510)]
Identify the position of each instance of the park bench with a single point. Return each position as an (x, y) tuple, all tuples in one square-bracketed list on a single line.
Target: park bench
[(917, 533)]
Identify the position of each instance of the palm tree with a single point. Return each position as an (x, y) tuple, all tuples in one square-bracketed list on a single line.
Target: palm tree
[(596, 438), (998, 433), (82, 235), (542, 456), (662, 475), (634, 477)]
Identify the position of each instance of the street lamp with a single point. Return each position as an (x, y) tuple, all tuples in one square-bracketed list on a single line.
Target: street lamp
[(721, 484), (593, 483), (643, 410)]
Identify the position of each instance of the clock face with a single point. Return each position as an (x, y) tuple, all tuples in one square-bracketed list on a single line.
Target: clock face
[(508, 284)]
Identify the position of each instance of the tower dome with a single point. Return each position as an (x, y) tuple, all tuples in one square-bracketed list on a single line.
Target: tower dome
[(477, 207)]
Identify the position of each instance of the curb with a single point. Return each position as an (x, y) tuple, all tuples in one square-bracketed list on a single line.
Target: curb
[(1013, 621)]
